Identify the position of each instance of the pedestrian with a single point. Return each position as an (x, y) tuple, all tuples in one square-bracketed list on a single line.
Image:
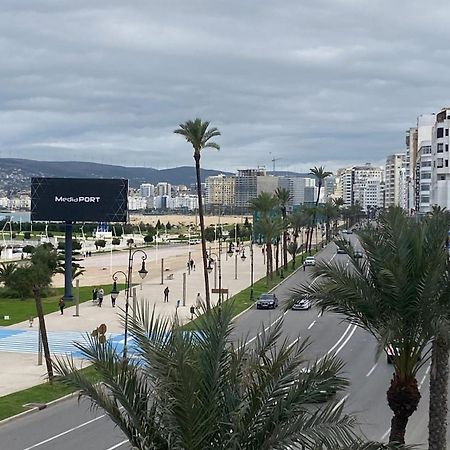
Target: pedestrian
[(188, 265), (61, 305), (178, 303), (198, 301), (94, 295), (191, 263), (100, 295), (304, 267), (166, 294)]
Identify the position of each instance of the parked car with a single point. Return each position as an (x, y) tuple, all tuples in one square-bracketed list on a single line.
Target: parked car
[(302, 304), (310, 261), (341, 251), (267, 301), (358, 254)]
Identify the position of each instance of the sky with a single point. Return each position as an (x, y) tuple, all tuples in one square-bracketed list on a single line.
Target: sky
[(322, 82)]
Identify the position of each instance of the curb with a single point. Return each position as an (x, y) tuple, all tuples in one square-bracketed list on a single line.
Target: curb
[(37, 408)]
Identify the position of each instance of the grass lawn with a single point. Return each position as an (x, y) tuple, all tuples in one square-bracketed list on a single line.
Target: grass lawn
[(20, 310), (12, 404)]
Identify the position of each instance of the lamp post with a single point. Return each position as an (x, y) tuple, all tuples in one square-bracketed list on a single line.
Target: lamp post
[(209, 268), (115, 293), (243, 257)]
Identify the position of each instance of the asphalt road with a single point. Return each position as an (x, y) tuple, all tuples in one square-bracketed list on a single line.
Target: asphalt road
[(71, 425)]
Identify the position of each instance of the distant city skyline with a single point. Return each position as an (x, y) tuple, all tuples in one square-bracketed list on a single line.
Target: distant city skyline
[(331, 83)]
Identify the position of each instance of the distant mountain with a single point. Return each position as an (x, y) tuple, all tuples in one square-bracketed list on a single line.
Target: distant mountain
[(15, 173)]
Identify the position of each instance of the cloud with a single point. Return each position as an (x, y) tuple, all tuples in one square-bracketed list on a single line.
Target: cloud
[(331, 81)]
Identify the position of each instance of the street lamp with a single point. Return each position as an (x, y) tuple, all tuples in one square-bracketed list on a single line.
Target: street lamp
[(243, 257), (209, 268), (115, 292)]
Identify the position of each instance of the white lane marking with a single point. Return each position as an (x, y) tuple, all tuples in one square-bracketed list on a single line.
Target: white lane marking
[(311, 324), (346, 340), (340, 339), (56, 436), (339, 403), (385, 434), (424, 377), (294, 342), (371, 370), (118, 445), (320, 314)]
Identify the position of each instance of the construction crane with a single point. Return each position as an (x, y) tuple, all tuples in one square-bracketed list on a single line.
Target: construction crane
[(273, 162)]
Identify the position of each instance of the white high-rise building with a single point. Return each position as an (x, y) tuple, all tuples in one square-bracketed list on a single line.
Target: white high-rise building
[(393, 179), (302, 189), (424, 163), (440, 181), (163, 189), (147, 190)]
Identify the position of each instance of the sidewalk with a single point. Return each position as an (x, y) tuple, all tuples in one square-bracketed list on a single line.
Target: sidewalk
[(19, 371)]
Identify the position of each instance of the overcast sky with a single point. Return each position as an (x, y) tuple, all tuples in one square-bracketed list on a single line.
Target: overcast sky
[(310, 82)]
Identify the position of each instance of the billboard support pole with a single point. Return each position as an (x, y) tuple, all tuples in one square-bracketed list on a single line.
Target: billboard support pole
[(68, 262)]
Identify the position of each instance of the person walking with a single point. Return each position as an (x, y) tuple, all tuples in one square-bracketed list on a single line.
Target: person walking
[(166, 294), (198, 301), (61, 305), (94, 295), (100, 295)]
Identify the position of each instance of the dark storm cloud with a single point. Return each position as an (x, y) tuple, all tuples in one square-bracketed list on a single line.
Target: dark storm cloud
[(332, 82)]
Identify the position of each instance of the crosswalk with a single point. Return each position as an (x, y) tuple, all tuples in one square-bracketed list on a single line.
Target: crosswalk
[(60, 342)]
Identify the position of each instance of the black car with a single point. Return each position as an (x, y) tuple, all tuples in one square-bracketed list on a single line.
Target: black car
[(267, 301), (341, 251)]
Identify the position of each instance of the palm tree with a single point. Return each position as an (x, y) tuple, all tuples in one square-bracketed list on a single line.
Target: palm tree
[(6, 270), (199, 135), (293, 249), (320, 173), (329, 212), (338, 203), (270, 229), (438, 313), (194, 391), (385, 294), (284, 196)]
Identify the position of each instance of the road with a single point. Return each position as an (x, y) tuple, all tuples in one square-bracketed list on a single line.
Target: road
[(70, 426)]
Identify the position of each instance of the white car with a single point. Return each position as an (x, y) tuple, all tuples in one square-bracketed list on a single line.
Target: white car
[(302, 304), (310, 261)]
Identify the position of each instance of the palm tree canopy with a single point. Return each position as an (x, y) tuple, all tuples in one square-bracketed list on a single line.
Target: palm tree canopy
[(389, 291), (198, 134), (202, 390), (263, 203), (320, 173), (283, 196)]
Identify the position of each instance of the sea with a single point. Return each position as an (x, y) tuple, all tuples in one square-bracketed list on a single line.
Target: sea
[(15, 216)]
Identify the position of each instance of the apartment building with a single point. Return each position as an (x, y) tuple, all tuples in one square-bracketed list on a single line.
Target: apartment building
[(393, 177), (302, 189), (220, 190), (440, 181)]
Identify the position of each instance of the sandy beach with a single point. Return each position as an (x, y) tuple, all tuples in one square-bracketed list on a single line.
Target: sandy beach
[(183, 220)]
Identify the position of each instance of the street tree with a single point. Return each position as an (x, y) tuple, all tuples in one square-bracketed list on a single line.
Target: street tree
[(284, 197), (321, 174), (199, 134), (385, 294), (197, 391)]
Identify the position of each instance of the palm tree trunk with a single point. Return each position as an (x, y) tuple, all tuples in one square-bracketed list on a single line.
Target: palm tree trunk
[(285, 252), (437, 426), (202, 230), (403, 398), (277, 254), (43, 331), (269, 257)]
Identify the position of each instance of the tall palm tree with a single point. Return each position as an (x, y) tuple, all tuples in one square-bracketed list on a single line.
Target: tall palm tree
[(320, 173), (329, 211), (385, 294), (199, 135), (284, 196), (196, 391), (269, 228), (438, 313), (338, 203)]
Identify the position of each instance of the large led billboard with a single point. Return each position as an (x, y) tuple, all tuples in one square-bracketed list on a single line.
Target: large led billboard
[(79, 199)]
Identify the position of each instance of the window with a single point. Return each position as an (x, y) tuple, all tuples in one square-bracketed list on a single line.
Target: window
[(446, 147), (440, 163), (440, 148), (439, 132), (424, 187), (441, 177), (446, 131), (425, 164), (446, 163), (424, 198), (425, 176), (426, 150)]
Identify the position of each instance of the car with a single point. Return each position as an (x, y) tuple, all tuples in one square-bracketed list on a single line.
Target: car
[(310, 261), (267, 301), (341, 251), (358, 254), (349, 231), (302, 304), (344, 231)]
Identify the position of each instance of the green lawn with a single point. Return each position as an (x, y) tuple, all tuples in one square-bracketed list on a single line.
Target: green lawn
[(20, 310), (12, 404)]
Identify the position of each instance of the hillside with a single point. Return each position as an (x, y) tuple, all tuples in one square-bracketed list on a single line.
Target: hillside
[(15, 173)]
